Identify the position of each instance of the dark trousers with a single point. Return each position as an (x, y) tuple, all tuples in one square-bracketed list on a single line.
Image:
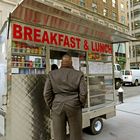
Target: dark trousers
[(74, 118)]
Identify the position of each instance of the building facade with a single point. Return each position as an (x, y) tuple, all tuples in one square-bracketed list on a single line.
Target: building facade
[(104, 12), (111, 13), (6, 6), (122, 49), (135, 30), (122, 12)]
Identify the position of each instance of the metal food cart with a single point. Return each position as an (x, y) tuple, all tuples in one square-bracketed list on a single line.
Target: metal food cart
[(37, 35)]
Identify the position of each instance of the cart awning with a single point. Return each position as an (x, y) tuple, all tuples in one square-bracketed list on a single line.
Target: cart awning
[(41, 14)]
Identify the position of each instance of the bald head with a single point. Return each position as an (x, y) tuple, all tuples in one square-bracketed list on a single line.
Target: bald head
[(66, 61), (66, 57)]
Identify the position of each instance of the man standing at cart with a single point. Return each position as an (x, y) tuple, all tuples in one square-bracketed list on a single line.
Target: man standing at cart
[(65, 93)]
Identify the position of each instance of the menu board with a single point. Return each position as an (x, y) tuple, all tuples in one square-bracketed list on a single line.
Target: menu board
[(75, 62), (100, 68)]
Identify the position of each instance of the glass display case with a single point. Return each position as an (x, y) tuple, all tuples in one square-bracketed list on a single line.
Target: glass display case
[(100, 79), (28, 58)]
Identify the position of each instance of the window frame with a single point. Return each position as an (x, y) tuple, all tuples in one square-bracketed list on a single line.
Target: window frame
[(123, 19), (122, 7), (82, 3), (105, 13), (105, 1), (114, 3), (114, 17), (94, 8)]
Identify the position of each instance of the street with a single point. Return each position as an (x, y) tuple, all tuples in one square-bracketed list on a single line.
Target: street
[(130, 91), (125, 125)]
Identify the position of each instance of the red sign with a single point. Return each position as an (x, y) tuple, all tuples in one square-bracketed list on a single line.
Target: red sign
[(61, 20), (45, 36)]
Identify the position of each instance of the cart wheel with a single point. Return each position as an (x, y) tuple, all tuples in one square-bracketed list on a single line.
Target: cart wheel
[(96, 125)]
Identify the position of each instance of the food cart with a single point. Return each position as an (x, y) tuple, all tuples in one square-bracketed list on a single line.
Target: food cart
[(36, 36)]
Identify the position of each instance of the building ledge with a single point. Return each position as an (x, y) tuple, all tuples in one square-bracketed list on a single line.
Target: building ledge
[(89, 14), (9, 2)]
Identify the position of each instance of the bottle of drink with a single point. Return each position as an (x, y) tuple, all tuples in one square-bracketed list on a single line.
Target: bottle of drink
[(12, 61), (32, 50), (36, 50), (39, 50), (19, 61), (23, 48), (15, 61), (14, 46), (22, 61), (43, 51), (28, 49), (17, 47), (30, 64)]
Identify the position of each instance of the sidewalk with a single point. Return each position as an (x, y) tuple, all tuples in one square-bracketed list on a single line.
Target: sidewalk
[(2, 138), (1, 127), (126, 124)]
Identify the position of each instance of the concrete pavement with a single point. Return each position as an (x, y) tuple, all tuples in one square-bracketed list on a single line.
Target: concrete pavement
[(126, 124)]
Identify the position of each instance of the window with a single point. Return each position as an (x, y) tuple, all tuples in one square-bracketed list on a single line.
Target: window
[(138, 50), (137, 35), (122, 19), (94, 7), (105, 12), (113, 3), (118, 67), (134, 51), (137, 13), (114, 16), (137, 24), (122, 7), (135, 2), (67, 9), (127, 72), (105, 1), (82, 3)]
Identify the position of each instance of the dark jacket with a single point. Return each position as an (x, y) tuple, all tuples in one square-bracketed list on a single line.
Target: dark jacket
[(65, 86)]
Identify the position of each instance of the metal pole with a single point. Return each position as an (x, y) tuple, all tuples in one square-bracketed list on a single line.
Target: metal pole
[(131, 16)]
